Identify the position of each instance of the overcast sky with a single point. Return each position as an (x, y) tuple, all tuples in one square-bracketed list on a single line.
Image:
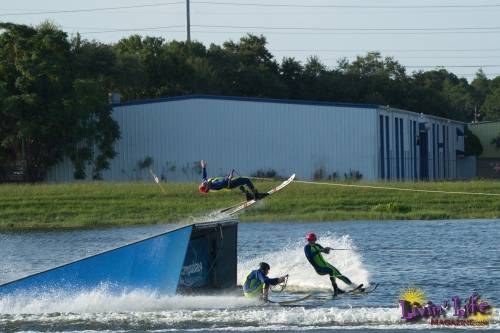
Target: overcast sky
[(461, 35)]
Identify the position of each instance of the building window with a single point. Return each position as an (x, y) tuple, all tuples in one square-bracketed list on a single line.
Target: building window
[(387, 147), (434, 147), (396, 131), (402, 147), (444, 152), (446, 155), (438, 157), (414, 144)]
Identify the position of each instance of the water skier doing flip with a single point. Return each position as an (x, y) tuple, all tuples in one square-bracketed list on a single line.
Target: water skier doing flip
[(229, 182), (322, 267)]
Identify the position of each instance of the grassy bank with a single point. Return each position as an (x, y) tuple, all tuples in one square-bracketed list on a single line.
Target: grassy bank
[(118, 204)]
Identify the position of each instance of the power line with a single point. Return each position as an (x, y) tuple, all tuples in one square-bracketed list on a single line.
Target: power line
[(474, 74), (221, 3), (461, 29), (438, 57), (345, 33), (454, 66), (313, 31), (151, 29), (343, 30), (305, 33), (385, 50), (67, 11)]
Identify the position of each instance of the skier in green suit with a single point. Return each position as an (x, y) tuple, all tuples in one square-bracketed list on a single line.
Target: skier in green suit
[(322, 267)]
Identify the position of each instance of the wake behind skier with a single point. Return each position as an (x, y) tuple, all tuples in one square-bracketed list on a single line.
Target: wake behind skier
[(229, 182), (313, 253)]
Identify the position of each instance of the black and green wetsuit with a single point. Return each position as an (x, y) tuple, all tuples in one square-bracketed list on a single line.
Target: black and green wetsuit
[(220, 183), (321, 266)]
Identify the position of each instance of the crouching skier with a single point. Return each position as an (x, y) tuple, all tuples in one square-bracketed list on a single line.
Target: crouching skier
[(257, 283)]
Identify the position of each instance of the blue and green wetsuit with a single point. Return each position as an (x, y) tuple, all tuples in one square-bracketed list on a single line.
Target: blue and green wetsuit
[(255, 282), (219, 183), (321, 266)]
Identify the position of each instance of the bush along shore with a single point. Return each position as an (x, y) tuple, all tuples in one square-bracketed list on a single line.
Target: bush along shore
[(100, 204)]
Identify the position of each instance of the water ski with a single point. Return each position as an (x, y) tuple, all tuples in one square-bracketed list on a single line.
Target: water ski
[(245, 204), (291, 301), (371, 288), (360, 290)]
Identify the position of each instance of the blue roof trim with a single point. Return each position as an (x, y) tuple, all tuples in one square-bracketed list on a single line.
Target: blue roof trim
[(247, 99)]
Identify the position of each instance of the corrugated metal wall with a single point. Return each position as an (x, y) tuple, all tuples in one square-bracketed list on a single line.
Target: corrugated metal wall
[(248, 135), (244, 135), (417, 147)]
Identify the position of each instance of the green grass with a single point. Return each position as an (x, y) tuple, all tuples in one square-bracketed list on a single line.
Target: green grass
[(83, 205)]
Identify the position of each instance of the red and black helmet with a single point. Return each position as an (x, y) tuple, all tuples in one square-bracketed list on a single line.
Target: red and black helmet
[(311, 237), (203, 188)]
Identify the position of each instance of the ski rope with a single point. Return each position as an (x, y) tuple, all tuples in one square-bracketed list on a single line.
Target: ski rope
[(280, 286), (386, 187)]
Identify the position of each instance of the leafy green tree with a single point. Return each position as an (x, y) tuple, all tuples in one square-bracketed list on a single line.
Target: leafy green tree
[(427, 94), (291, 72), (481, 88), (459, 97), (248, 68), (473, 146), (490, 109), (47, 113)]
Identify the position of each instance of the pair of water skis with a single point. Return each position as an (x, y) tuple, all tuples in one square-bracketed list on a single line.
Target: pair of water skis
[(358, 291), (245, 204)]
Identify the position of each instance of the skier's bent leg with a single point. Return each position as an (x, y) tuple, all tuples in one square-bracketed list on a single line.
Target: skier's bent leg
[(242, 181), (338, 275)]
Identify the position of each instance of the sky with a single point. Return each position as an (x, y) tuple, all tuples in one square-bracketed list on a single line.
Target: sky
[(459, 35)]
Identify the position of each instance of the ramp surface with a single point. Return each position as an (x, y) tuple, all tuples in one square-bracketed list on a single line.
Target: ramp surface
[(154, 263)]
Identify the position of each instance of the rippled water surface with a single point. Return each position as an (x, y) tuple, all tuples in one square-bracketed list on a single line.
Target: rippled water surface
[(442, 258)]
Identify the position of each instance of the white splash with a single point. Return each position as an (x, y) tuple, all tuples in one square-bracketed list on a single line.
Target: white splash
[(291, 260)]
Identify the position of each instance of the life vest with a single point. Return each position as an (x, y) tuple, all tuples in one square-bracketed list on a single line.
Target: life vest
[(213, 179)]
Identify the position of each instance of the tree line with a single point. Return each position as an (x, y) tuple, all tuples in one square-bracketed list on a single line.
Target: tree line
[(54, 88)]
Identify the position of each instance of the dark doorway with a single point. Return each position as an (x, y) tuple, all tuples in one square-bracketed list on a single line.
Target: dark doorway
[(424, 152)]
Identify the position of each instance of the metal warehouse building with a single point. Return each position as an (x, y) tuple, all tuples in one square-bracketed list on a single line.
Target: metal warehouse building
[(287, 136)]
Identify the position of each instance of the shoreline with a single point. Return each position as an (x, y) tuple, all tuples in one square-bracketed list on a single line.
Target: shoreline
[(106, 204)]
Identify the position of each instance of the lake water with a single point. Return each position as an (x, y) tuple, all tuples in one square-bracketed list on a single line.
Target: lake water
[(441, 258)]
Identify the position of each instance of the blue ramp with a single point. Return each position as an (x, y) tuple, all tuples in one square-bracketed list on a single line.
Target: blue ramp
[(154, 263)]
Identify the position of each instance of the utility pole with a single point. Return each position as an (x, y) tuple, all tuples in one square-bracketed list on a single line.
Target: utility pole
[(188, 23)]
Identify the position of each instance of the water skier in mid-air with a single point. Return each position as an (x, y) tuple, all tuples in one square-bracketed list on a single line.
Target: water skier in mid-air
[(229, 182), (257, 283), (313, 253)]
